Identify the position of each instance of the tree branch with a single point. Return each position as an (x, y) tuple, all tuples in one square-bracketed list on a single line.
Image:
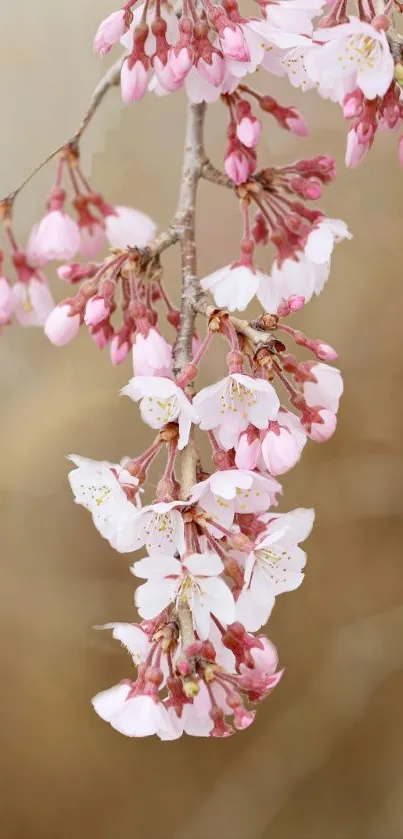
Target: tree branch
[(110, 79), (182, 352), (254, 334)]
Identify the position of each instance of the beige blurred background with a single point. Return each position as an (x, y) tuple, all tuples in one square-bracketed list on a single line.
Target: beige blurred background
[(324, 758)]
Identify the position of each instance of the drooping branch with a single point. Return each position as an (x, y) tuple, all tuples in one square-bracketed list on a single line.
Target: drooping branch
[(109, 80)]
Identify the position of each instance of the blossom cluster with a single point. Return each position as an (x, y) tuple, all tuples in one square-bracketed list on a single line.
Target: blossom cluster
[(216, 550)]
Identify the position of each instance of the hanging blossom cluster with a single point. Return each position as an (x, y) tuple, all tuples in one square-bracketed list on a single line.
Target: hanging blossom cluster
[(215, 550)]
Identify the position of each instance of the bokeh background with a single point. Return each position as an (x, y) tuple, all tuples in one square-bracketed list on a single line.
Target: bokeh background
[(324, 758)]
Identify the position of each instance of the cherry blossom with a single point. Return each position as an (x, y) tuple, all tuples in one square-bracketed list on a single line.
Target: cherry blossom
[(231, 404), (194, 580), (354, 54), (57, 236), (324, 387), (133, 715), (234, 285), (110, 31), (162, 401), (158, 526), (6, 301), (32, 301), (283, 443), (107, 490), (274, 566), (127, 226), (232, 491), (152, 355)]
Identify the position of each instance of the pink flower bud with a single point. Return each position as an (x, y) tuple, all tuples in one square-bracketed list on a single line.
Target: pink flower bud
[(180, 63), (234, 44), (92, 238), (353, 104), (296, 123), (400, 151), (96, 310), (248, 131), (75, 272), (247, 452), (212, 71), (324, 351), (110, 31), (129, 227), (292, 304), (119, 351), (322, 431), (61, 327), (355, 151), (6, 301), (152, 355), (281, 450), (165, 75), (133, 81), (236, 165)]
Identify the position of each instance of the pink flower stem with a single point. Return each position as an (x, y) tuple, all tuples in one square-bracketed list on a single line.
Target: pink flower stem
[(169, 468), (202, 349)]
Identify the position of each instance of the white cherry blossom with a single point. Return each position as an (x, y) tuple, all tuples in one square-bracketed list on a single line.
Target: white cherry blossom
[(135, 715), (162, 401), (195, 580), (232, 403), (293, 15), (352, 55), (322, 239), (274, 566), (103, 489), (158, 526), (232, 491), (234, 285)]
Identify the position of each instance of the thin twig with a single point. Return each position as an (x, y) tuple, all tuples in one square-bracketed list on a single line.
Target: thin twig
[(109, 80)]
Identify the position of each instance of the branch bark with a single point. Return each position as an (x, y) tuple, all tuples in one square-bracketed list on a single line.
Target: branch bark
[(185, 224)]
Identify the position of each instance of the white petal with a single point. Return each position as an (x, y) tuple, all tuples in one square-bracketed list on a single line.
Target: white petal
[(219, 599), (206, 564), (151, 598)]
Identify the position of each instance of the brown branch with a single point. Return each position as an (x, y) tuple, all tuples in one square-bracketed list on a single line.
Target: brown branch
[(243, 327), (109, 80), (190, 293)]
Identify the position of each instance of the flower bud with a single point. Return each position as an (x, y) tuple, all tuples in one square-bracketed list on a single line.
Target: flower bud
[(61, 326)]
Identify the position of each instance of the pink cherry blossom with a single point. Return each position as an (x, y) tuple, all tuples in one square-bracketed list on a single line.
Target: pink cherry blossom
[(195, 580), (152, 355), (232, 403), (129, 227), (57, 236), (32, 301), (324, 387), (162, 401), (324, 428), (274, 566), (110, 32), (62, 325)]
